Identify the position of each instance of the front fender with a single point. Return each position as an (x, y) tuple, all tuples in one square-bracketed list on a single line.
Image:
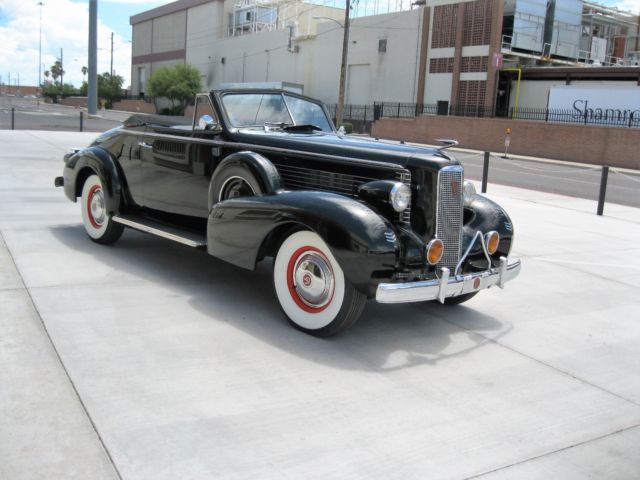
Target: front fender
[(261, 167), (487, 215), (363, 242), (100, 162)]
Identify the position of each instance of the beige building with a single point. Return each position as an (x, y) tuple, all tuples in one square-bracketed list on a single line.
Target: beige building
[(438, 52), (443, 52)]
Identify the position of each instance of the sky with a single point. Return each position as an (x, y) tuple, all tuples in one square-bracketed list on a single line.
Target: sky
[(65, 25)]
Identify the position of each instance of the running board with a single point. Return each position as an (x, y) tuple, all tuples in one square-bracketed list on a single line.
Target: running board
[(191, 239)]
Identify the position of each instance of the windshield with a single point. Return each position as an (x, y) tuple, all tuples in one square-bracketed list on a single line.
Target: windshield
[(258, 109)]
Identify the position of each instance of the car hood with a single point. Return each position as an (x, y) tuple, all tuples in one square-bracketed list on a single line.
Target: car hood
[(347, 146)]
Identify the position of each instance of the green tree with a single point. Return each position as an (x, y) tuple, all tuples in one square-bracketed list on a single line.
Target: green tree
[(53, 91), (109, 88), (57, 71), (178, 84)]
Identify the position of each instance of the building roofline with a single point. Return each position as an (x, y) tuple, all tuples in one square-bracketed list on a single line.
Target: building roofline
[(166, 10)]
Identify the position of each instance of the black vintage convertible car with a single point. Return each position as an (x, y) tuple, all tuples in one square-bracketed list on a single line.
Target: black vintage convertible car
[(263, 173)]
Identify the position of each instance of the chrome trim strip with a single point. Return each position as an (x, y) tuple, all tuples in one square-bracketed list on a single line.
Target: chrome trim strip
[(257, 148), (448, 286), (160, 233)]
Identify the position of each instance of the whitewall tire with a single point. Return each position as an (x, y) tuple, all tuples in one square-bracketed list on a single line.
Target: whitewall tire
[(311, 287), (96, 218)]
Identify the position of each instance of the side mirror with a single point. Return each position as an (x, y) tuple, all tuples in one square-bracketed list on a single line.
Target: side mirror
[(206, 122)]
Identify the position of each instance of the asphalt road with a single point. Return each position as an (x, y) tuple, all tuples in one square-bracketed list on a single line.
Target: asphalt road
[(31, 114), (623, 187)]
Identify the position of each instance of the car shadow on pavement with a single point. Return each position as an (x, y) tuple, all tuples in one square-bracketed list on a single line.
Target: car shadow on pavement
[(387, 337)]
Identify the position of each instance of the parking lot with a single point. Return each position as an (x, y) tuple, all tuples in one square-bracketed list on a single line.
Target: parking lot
[(149, 360)]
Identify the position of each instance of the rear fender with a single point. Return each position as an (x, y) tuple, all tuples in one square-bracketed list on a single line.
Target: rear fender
[(363, 242), (89, 161)]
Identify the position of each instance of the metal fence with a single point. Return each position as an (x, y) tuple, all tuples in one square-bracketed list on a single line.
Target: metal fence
[(607, 117)]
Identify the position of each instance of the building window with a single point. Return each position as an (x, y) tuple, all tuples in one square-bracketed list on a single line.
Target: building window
[(471, 94), (441, 65), (444, 26), (382, 45), (474, 64), (477, 23)]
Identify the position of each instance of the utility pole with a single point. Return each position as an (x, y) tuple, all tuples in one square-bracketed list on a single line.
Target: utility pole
[(343, 64), (111, 55), (40, 4), (92, 85), (61, 72)]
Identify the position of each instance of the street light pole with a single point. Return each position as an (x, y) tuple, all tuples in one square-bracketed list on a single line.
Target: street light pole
[(92, 86), (40, 4), (343, 64), (111, 69)]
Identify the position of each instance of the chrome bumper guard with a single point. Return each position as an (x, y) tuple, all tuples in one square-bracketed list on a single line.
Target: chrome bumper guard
[(448, 285)]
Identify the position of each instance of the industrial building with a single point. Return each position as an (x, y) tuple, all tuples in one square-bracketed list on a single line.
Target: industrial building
[(445, 52)]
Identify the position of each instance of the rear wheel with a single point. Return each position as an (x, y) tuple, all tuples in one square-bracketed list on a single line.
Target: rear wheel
[(311, 287), (97, 221)]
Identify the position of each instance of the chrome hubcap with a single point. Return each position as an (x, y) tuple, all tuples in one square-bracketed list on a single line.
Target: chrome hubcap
[(313, 279), (96, 207)]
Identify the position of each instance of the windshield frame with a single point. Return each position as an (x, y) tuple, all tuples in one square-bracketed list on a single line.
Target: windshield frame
[(283, 94)]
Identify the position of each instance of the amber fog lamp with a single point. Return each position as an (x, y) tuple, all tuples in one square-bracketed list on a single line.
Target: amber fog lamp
[(435, 249), (492, 239)]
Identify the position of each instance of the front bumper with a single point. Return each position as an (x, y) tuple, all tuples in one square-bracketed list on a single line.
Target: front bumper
[(448, 286)]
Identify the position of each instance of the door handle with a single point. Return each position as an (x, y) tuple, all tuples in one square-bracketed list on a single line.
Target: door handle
[(145, 145)]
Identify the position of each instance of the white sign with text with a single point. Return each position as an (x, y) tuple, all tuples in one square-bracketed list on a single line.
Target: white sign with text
[(605, 105)]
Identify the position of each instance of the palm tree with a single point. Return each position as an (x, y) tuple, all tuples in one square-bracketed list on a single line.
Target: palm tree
[(46, 74), (84, 73)]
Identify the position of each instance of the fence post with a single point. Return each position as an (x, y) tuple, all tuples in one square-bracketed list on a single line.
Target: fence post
[(13, 118), (485, 172), (81, 119), (603, 189), (398, 110)]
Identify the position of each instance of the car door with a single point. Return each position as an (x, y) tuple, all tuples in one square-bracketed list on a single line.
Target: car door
[(177, 165)]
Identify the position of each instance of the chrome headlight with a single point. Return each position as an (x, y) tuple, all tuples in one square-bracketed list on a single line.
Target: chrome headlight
[(469, 191), (400, 196)]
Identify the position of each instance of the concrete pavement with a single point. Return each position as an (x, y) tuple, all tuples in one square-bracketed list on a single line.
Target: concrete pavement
[(148, 360)]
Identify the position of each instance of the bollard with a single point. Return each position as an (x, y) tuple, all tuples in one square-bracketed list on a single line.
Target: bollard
[(603, 189), (81, 118), (485, 172), (13, 118)]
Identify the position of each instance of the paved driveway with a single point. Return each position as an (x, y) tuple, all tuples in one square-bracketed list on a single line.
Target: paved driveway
[(148, 360)]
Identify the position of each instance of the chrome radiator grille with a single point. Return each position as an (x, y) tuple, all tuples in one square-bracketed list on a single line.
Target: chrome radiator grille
[(450, 214)]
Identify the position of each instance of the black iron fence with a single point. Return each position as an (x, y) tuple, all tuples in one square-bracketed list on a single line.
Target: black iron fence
[(588, 116), (360, 117)]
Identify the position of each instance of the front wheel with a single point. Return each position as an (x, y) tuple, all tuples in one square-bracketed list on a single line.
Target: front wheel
[(97, 221), (311, 287)]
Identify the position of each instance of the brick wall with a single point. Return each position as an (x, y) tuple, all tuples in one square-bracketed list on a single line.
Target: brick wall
[(138, 106), (73, 102), (617, 147)]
